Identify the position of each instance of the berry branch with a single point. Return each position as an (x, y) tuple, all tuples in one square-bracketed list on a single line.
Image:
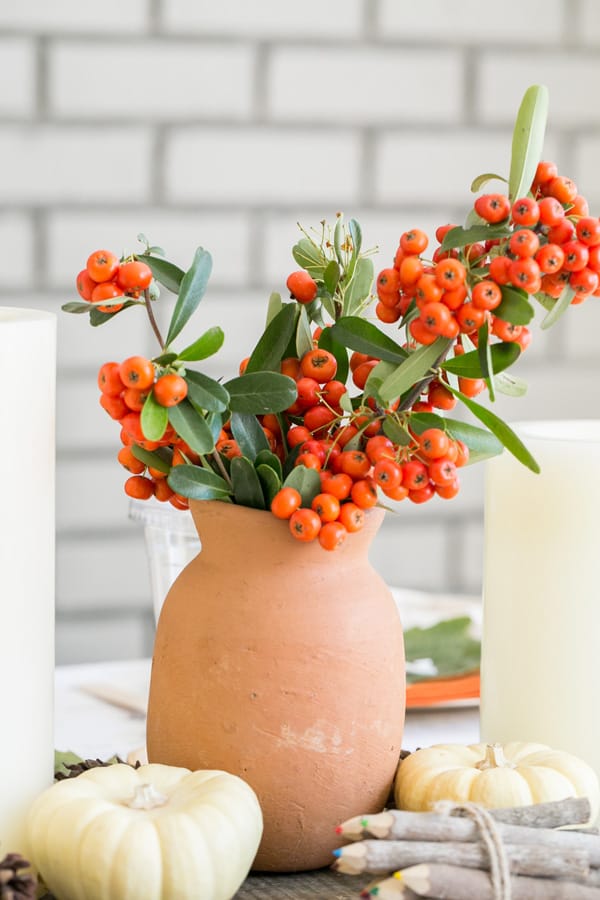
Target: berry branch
[(153, 322)]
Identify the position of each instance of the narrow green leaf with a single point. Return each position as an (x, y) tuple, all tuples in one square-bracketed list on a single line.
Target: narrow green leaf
[(560, 306), (205, 392), (310, 257), (271, 347), (166, 273), (327, 341), (274, 306), (346, 403), (375, 379), (514, 306), (247, 431), (482, 444), (545, 300), (153, 458), (198, 483), (191, 292), (420, 422), (270, 483), (154, 418), (355, 232), (165, 359), (267, 458), (215, 421), (192, 427), (528, 140), (503, 355), (359, 286), (358, 334), (331, 276), (247, 488), (306, 481), (502, 431), (338, 239), (460, 237), (413, 369), (510, 385), (76, 306), (261, 392), (304, 341), (485, 358), (396, 432), (100, 318), (482, 180), (206, 345)]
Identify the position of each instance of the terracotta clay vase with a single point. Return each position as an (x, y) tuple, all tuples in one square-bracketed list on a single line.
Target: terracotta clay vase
[(283, 664)]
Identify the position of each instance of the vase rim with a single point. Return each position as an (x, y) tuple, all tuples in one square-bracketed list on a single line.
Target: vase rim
[(559, 430), (16, 315)]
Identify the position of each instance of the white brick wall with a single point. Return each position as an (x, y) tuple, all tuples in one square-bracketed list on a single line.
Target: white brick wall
[(222, 124)]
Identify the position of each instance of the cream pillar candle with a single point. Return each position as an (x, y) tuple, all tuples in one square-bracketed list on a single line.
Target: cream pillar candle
[(27, 414), (541, 631)]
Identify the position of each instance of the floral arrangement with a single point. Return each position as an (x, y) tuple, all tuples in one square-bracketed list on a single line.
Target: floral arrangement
[(330, 411)]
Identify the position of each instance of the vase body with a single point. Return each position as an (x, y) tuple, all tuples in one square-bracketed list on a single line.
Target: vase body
[(540, 660), (283, 664)]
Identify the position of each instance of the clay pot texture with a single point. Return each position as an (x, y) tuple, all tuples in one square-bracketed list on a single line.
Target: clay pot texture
[(284, 664)]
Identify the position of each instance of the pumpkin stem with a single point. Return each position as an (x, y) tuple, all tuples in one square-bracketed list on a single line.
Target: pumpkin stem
[(494, 758), (145, 796)]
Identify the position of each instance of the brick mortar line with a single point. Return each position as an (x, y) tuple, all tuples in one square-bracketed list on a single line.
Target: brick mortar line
[(470, 65), (261, 65), (41, 78)]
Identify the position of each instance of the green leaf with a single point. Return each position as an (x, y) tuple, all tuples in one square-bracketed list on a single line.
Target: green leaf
[(338, 235), (468, 366), (166, 273), (331, 276), (413, 369), (510, 385), (355, 232), (528, 140), (270, 482), (247, 431), (375, 379), (267, 458), (460, 237), (358, 334), (191, 292), (310, 257), (165, 359), (482, 444), (485, 358), (271, 347), (420, 422), (100, 318), (64, 758), (76, 306), (514, 306), (192, 427), (215, 421), (482, 180), (560, 306), (153, 458), (304, 341), (274, 306), (154, 418), (306, 481), (198, 483), (503, 432), (396, 432), (448, 644), (359, 286), (205, 392), (206, 345), (261, 392), (328, 342), (545, 300), (247, 488)]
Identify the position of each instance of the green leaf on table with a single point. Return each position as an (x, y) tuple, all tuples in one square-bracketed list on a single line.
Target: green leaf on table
[(528, 140), (154, 418), (247, 431), (158, 459), (359, 287), (560, 306), (166, 273), (267, 458), (514, 306), (503, 432), (205, 392), (460, 237), (192, 427), (358, 334), (247, 488), (482, 443), (482, 180), (310, 257), (274, 306), (510, 385), (206, 345), (468, 365), (328, 342), (191, 292), (306, 481), (448, 644), (270, 483), (304, 341), (198, 483), (413, 369), (331, 276), (273, 343), (261, 392)]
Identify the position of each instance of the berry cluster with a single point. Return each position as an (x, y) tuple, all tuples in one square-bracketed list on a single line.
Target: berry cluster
[(107, 282)]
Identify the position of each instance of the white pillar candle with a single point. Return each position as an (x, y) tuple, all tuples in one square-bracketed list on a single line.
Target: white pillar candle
[(541, 631), (27, 416)]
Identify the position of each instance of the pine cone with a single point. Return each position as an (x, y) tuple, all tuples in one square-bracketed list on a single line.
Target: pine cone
[(14, 884), (76, 769)]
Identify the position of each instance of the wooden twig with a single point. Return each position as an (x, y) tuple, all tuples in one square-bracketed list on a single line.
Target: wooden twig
[(382, 857), (445, 882)]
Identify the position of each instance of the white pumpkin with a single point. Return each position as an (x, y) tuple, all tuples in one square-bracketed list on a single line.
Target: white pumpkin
[(516, 774), (153, 833)]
